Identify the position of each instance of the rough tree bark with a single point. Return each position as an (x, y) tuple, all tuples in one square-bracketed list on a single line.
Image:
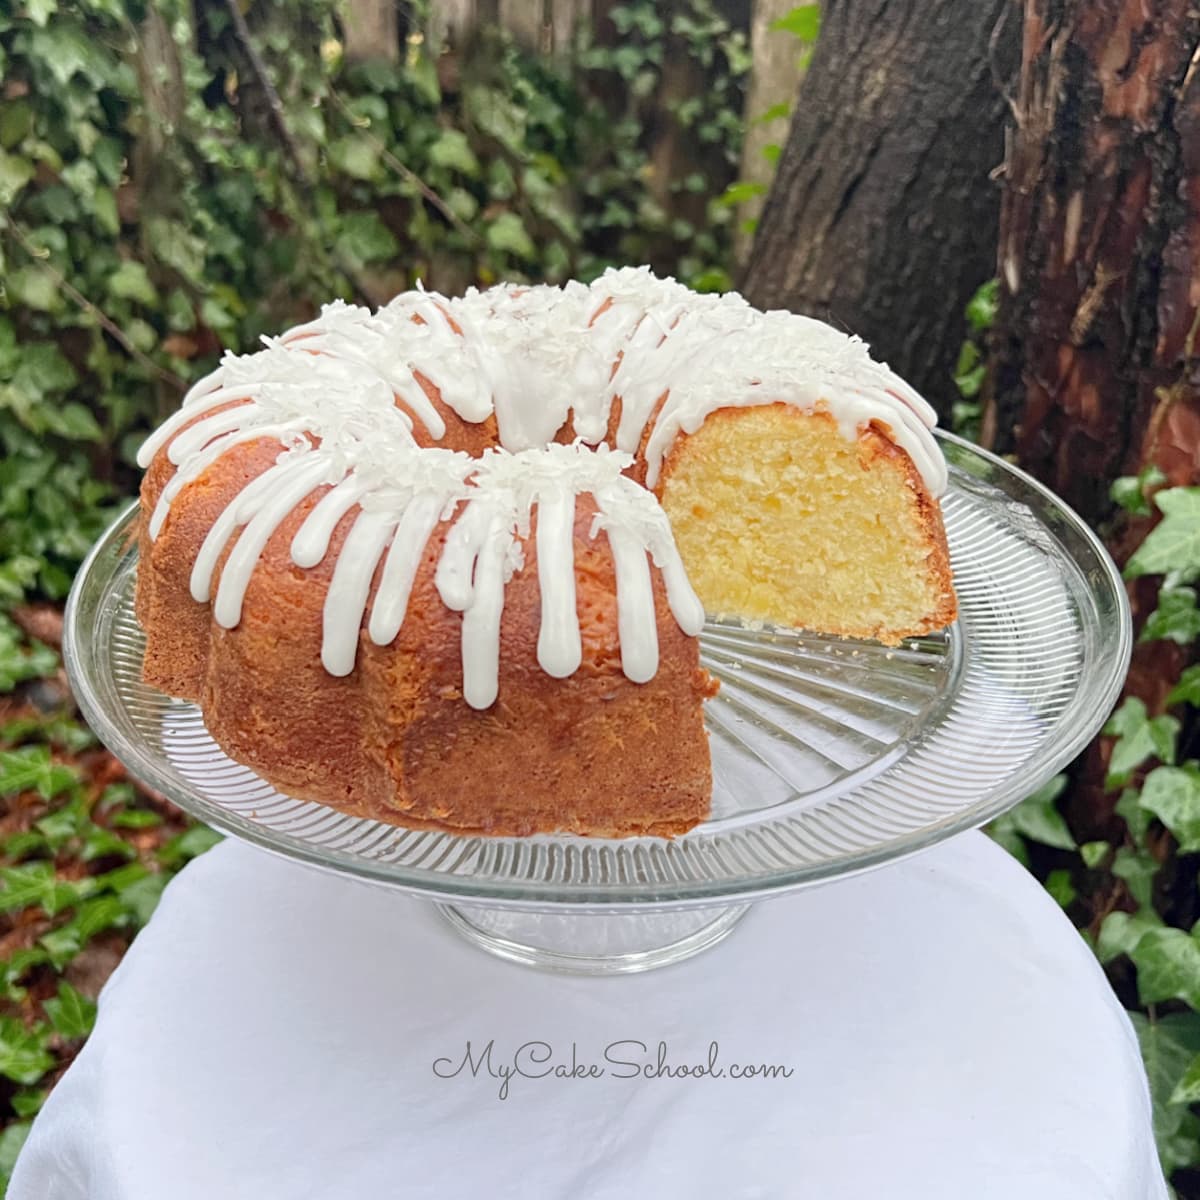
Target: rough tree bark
[(1094, 364), (1095, 371), (882, 218)]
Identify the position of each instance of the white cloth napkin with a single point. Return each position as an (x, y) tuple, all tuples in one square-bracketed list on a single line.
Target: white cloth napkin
[(278, 1033)]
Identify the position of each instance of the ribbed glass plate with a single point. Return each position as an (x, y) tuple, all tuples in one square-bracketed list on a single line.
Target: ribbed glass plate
[(829, 757)]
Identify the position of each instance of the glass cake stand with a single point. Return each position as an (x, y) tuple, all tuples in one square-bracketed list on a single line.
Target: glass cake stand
[(829, 757)]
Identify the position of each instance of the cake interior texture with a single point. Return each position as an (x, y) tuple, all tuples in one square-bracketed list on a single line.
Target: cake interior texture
[(780, 518)]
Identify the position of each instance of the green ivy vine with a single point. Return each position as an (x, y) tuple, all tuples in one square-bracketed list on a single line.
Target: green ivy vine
[(1136, 893)]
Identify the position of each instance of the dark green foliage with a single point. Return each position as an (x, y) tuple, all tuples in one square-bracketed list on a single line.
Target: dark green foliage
[(152, 211), (970, 372), (1135, 896)]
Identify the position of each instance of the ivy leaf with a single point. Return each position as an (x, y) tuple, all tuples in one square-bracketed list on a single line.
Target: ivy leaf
[(141, 898), (29, 1101), (1139, 737), (777, 112), (71, 1013), (1121, 932), (423, 77), (36, 883), (365, 238), (31, 768), (982, 307), (1036, 818), (1136, 819), (462, 203), (1169, 1046), (40, 11), (1060, 887), (16, 120), (739, 193), (20, 661), (91, 918), (11, 1141), (1093, 853), (1137, 869), (499, 117), (1187, 1090), (1168, 963), (712, 280), (452, 151), (136, 818), (23, 1054), (1187, 690), (187, 845), (15, 966), (75, 422), (43, 370), (65, 49), (1174, 544), (970, 383), (64, 823), (15, 173), (507, 234), (180, 247), (1129, 491), (1172, 794), (34, 288), (1175, 619), (356, 156), (803, 22), (26, 885), (130, 281), (99, 842)]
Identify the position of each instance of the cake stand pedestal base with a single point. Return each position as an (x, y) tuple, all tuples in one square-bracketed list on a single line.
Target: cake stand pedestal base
[(588, 943)]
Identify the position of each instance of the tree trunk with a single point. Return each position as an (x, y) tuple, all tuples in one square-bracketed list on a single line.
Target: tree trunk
[(526, 21), (155, 192), (1093, 356), (1094, 366), (882, 218), (371, 30), (774, 79)]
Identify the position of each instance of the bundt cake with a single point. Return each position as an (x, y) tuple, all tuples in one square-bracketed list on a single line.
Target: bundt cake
[(445, 564)]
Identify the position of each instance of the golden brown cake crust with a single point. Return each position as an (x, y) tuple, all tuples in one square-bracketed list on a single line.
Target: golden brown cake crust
[(394, 740)]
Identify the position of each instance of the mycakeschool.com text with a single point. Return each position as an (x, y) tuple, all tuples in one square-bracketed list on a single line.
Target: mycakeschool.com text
[(629, 1058)]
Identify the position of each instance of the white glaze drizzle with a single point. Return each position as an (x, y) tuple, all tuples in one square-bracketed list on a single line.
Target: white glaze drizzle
[(311, 541), (481, 618), (237, 512), (346, 598), (403, 557), (293, 485), (191, 470), (560, 647), (635, 603), (341, 394)]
